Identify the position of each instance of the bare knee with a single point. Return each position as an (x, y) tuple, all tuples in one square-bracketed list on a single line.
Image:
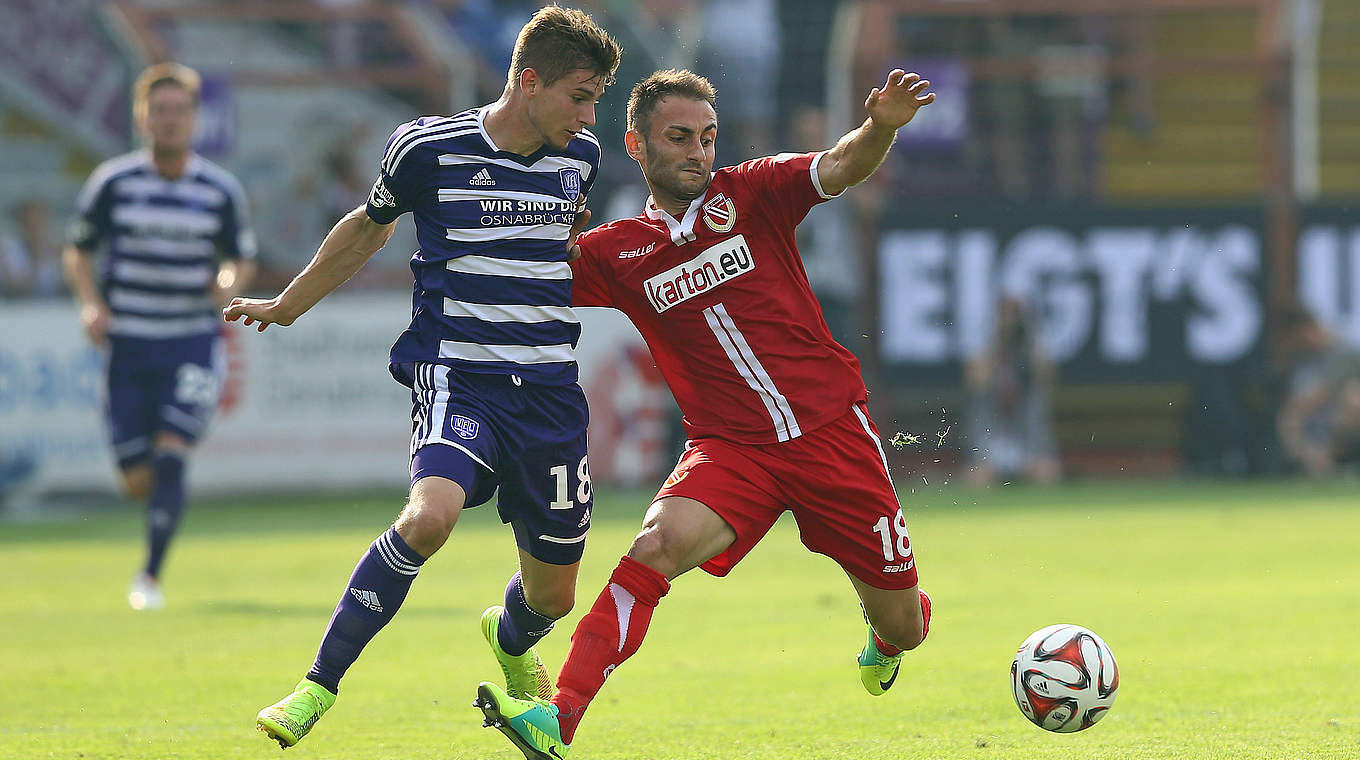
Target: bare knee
[(136, 482), (656, 549), (425, 526), (903, 634), (555, 603)]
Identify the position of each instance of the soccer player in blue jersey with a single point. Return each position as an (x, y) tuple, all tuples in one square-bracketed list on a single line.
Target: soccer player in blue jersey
[(177, 246), (488, 355)]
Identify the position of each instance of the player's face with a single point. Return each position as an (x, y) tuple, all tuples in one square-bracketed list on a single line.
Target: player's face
[(170, 117), (559, 111), (677, 153)]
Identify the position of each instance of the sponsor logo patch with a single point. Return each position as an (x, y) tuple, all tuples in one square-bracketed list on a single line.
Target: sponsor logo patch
[(381, 197), (716, 265), (636, 252), (482, 179)]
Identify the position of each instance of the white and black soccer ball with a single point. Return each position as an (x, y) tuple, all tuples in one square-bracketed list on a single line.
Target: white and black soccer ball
[(1064, 678)]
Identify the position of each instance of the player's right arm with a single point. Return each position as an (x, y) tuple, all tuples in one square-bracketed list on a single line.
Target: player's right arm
[(89, 230), (78, 267), (351, 242)]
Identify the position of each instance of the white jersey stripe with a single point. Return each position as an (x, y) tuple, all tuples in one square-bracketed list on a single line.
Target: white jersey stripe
[(160, 327), (492, 234), (542, 165), (752, 371), (457, 131), (533, 270), (439, 126), (864, 422), (552, 202), (139, 186), (521, 313), (157, 218), (156, 303), (516, 354), (164, 248), (139, 273)]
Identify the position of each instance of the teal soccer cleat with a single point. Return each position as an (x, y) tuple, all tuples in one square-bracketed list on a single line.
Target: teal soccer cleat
[(530, 724)]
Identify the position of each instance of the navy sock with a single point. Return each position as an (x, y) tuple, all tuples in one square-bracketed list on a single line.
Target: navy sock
[(521, 627), (376, 590), (164, 507)]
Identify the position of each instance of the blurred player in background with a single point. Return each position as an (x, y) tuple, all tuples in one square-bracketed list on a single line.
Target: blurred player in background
[(177, 246), (775, 410), (488, 356), (1319, 421)]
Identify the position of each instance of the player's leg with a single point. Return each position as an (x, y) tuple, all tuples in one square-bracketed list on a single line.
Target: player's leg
[(536, 597), (376, 589), (899, 620), (130, 402)]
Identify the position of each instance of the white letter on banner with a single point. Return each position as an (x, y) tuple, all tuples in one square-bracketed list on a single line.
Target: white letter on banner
[(1319, 270), (1123, 257), (974, 296), (1061, 299), (1230, 320), (913, 296)]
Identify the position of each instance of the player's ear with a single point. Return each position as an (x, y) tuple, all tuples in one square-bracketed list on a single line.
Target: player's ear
[(632, 142), (529, 81)]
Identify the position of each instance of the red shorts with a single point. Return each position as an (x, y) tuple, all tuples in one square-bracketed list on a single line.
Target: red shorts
[(834, 480)]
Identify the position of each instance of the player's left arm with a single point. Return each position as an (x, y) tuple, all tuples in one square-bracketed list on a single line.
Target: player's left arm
[(858, 154)]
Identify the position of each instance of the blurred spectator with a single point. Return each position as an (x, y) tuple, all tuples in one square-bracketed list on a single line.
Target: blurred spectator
[(30, 256), (1010, 417), (1319, 421), (739, 54)]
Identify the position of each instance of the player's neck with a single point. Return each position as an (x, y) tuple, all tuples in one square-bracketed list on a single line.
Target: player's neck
[(169, 163), (508, 125), (674, 206)]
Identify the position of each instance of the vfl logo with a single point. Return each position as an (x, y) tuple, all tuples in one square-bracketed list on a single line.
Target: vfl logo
[(464, 427), (716, 265), (720, 213), (571, 183), (381, 196)]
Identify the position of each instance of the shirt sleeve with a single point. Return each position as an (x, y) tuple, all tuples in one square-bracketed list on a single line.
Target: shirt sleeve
[(92, 223), (237, 239), (787, 184), (589, 283), (401, 177)]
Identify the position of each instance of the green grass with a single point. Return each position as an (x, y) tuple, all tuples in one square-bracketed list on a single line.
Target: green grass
[(1234, 613)]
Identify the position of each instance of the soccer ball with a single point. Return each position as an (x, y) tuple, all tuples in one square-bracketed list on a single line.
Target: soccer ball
[(1064, 678)]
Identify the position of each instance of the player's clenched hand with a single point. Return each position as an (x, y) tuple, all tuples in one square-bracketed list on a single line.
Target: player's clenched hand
[(573, 249), (896, 102), (264, 311)]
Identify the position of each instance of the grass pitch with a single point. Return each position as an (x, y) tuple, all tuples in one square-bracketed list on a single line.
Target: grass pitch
[(1233, 611)]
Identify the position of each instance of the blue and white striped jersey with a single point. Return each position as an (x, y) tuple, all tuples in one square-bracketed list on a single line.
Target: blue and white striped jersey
[(492, 284), (164, 237)]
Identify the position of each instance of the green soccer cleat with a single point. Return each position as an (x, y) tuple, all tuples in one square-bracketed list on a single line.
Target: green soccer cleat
[(877, 671), (526, 677), (531, 724), (289, 719)]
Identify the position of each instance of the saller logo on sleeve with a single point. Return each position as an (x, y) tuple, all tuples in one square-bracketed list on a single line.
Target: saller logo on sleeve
[(711, 268)]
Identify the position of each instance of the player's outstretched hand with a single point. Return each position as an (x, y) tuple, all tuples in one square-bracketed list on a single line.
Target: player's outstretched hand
[(573, 249), (253, 310), (896, 102)]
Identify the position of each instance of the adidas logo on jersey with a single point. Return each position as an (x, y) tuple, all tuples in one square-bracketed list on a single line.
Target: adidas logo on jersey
[(482, 179), (367, 598)]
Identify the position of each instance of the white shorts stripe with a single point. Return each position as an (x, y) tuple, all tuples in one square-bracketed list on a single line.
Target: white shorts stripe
[(432, 392), (864, 422), (556, 540), (749, 367)]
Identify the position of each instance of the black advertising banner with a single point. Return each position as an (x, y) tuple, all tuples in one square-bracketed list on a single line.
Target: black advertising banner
[(1116, 294)]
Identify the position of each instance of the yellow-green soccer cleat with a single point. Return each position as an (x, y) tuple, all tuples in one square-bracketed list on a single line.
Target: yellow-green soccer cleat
[(289, 719), (526, 677), (530, 724), (877, 671)]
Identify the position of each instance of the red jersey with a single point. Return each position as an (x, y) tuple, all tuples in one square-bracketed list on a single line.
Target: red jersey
[(723, 301)]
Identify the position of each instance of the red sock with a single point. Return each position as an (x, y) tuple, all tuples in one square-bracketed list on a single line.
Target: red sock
[(609, 634)]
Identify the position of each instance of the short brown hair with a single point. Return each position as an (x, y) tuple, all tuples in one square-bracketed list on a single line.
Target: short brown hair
[(661, 84), (157, 75), (558, 40)]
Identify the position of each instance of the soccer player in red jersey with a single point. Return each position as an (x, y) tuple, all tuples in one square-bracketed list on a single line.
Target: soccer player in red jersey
[(774, 408)]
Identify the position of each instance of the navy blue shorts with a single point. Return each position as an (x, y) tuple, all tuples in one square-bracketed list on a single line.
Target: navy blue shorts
[(489, 432), (162, 385)]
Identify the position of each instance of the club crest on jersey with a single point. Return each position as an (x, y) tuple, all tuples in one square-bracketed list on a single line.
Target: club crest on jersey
[(720, 213), (571, 183), (464, 427)]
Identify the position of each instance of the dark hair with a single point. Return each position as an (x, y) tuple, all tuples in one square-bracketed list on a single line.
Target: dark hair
[(558, 40), (161, 74), (661, 84)]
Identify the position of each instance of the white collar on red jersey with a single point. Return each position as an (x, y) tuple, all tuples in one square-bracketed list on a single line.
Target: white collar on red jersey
[(682, 231)]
